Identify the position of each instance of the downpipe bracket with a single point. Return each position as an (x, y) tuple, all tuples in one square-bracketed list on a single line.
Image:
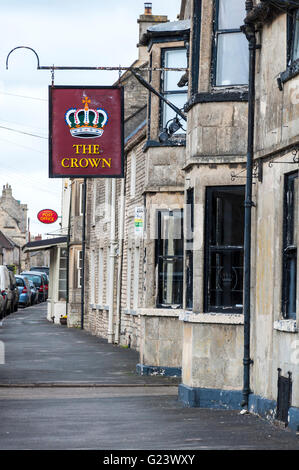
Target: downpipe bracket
[(249, 204), (248, 361)]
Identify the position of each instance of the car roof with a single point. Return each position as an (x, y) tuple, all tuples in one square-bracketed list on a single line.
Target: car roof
[(41, 273), (32, 273), (34, 267)]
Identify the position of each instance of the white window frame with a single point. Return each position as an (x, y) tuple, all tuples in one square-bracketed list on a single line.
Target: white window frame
[(101, 276), (136, 277), (79, 269), (94, 202), (222, 33), (129, 278), (92, 277), (81, 199), (133, 176)]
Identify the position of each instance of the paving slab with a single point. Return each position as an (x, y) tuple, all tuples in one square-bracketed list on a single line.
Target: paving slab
[(39, 352), (62, 388), (96, 421)]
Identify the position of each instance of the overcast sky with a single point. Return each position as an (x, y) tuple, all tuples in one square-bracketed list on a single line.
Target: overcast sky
[(62, 32)]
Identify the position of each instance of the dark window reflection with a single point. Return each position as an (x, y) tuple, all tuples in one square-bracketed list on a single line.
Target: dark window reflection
[(170, 258), (224, 249)]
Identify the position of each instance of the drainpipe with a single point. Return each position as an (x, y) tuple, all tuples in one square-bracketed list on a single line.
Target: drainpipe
[(120, 261), (249, 30), (113, 247), (68, 252), (83, 254)]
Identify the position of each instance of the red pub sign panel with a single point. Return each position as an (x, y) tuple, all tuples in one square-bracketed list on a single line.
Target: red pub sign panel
[(86, 132)]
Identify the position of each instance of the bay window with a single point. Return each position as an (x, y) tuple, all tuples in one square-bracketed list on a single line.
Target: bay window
[(230, 44)]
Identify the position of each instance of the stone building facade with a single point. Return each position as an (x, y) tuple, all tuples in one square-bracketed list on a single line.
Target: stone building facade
[(214, 362), (275, 281), (13, 221), (10, 253), (38, 258), (131, 298), (75, 205), (212, 319), (165, 245), (105, 204)]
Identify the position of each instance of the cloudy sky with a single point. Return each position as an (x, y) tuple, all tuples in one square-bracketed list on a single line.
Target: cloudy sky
[(62, 32)]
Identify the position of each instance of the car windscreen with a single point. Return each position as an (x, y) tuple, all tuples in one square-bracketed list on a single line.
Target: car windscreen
[(35, 279)]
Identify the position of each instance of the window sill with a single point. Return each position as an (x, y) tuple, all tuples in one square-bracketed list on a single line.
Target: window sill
[(218, 95), (160, 312), (130, 312), (220, 318), (169, 143), (288, 326), (99, 307), (291, 72)]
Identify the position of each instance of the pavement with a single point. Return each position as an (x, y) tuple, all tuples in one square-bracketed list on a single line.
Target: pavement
[(63, 389), (40, 352)]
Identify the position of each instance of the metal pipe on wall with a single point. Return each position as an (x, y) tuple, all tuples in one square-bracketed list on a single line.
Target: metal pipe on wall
[(120, 261), (83, 254), (113, 245), (249, 30)]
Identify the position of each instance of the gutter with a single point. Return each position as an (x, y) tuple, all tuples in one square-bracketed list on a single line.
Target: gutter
[(267, 10)]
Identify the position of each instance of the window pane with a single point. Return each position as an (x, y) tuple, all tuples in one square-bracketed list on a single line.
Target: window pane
[(291, 208), (296, 38), (170, 258), (296, 210), (171, 234), (171, 282), (232, 59), (291, 275), (227, 218), (179, 101), (226, 279), (231, 14), (224, 249), (174, 59)]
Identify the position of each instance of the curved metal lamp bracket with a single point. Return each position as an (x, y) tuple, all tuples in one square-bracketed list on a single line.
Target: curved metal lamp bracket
[(23, 47)]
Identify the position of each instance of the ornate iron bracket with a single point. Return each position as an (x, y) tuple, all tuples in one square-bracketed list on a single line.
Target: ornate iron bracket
[(295, 153), (119, 68), (256, 173)]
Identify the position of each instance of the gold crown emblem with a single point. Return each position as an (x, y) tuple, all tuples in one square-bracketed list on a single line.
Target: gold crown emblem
[(86, 122)]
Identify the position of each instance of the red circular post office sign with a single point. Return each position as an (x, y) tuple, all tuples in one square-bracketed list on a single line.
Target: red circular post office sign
[(47, 216)]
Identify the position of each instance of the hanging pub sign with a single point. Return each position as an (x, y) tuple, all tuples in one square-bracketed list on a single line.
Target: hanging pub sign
[(86, 132), (47, 216)]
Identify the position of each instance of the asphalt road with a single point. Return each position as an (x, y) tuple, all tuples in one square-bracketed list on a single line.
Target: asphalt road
[(63, 389)]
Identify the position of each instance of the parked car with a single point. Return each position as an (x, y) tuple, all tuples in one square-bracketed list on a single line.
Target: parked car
[(34, 292), (46, 281), (2, 307), (38, 280), (15, 291), (24, 290), (43, 269), (5, 289)]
